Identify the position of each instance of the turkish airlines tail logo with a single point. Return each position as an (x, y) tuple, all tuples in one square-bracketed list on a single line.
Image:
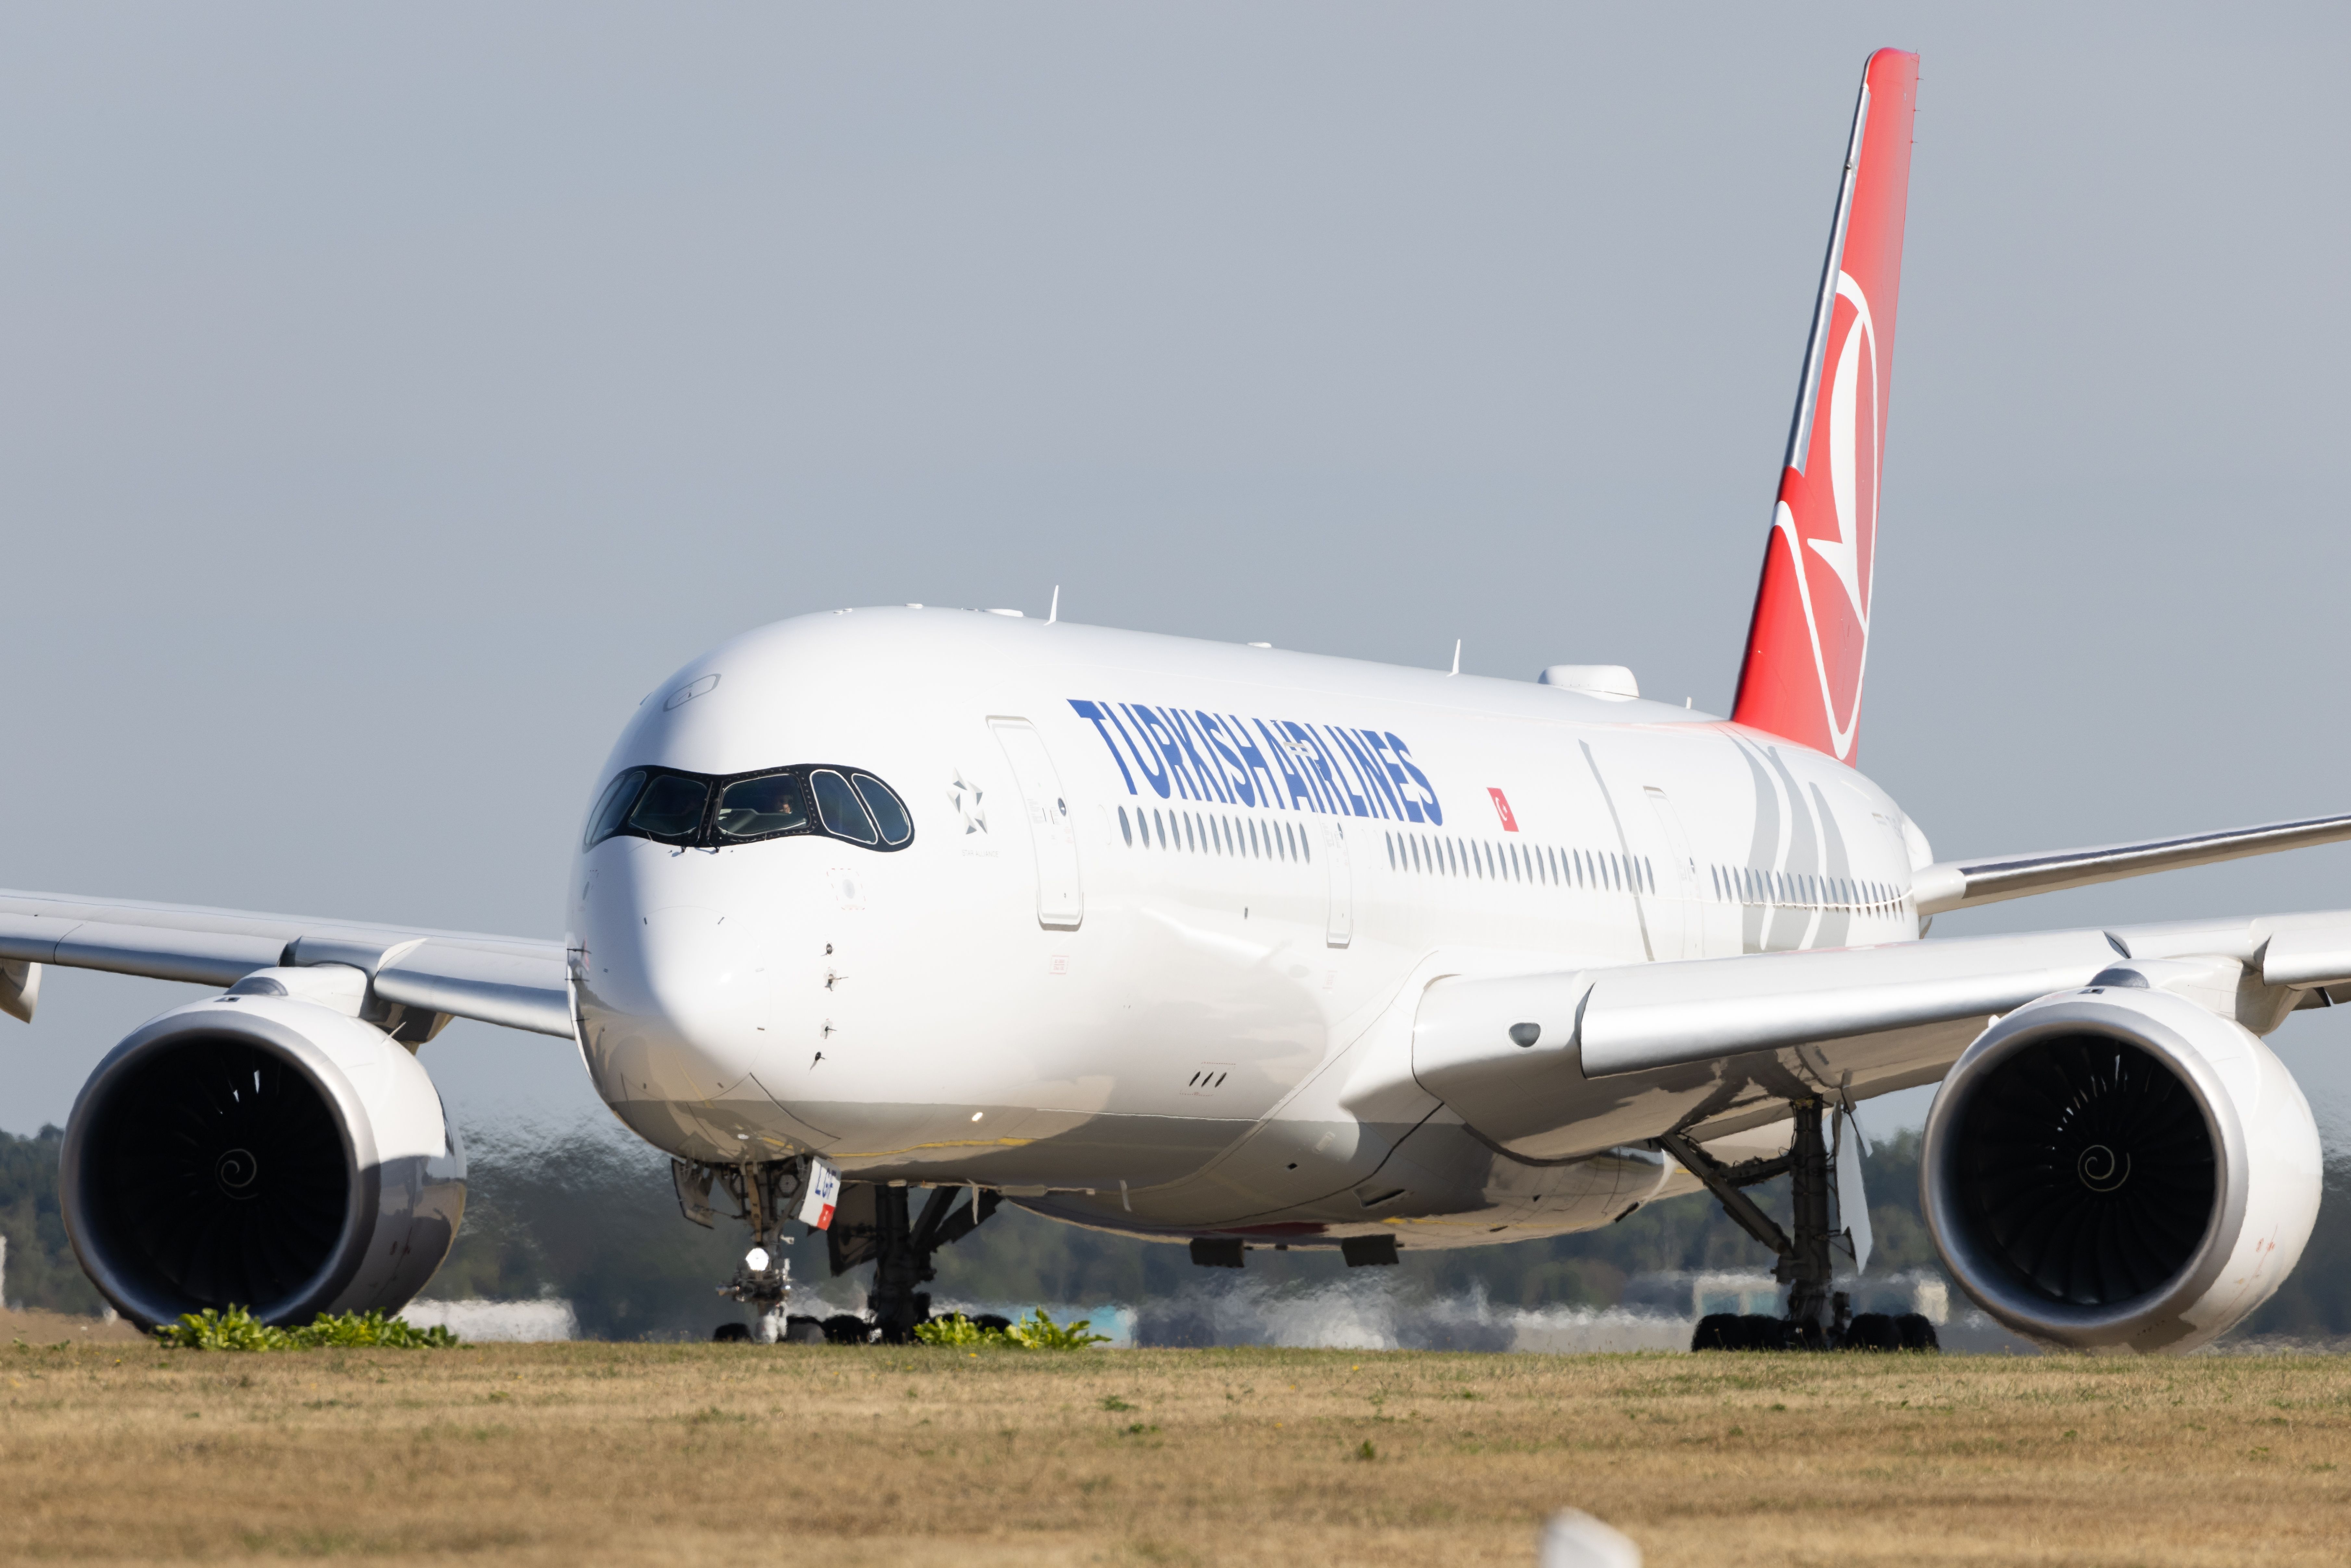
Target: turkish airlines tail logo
[(1809, 643)]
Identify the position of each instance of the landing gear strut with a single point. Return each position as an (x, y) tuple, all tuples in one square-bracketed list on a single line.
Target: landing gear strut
[(874, 1222), (1818, 1318), (763, 1191)]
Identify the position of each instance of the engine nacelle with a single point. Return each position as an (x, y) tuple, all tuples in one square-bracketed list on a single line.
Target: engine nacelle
[(2118, 1167), (263, 1148)]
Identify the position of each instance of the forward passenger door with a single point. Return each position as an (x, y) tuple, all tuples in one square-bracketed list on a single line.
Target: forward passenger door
[(1053, 827)]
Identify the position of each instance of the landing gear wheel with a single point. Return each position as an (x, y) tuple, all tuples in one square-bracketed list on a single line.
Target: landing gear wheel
[(731, 1333), (1720, 1330), (848, 1328), (1873, 1331), (1916, 1331)]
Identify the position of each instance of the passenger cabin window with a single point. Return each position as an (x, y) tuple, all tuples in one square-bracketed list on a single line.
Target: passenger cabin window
[(697, 811)]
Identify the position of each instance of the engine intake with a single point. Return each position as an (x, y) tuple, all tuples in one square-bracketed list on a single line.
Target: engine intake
[(2119, 1166), (262, 1150)]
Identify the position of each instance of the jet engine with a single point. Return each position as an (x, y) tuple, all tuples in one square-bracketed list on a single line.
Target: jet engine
[(263, 1148), (2120, 1168)]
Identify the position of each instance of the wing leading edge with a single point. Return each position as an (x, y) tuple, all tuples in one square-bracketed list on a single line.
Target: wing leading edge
[(1647, 1017), (1624, 1055), (514, 982)]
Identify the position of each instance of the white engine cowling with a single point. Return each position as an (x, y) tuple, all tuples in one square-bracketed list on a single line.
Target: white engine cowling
[(2119, 1169), (265, 1149)]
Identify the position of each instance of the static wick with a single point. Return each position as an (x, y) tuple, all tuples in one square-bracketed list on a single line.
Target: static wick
[(1456, 658), (1055, 612)]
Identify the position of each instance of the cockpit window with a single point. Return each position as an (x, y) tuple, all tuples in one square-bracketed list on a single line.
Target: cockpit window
[(613, 809), (756, 808), (671, 807), (889, 813), (697, 811), (837, 803)]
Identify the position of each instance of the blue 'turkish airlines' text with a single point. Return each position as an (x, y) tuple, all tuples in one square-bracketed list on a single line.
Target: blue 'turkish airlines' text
[(1191, 755)]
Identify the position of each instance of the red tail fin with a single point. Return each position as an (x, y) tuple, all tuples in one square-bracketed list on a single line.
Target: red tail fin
[(1810, 637)]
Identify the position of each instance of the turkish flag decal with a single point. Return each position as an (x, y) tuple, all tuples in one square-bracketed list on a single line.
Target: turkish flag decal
[(1502, 809)]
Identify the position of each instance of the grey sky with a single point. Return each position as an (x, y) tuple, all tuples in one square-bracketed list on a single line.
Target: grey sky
[(389, 397)]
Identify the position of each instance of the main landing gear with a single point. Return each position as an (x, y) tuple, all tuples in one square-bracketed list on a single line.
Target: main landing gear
[(1818, 1317), (873, 1222)]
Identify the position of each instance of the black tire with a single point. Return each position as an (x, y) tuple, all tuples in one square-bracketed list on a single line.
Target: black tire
[(731, 1333), (1720, 1330), (990, 1321), (800, 1329), (1766, 1333), (1915, 1332), (1873, 1331), (848, 1328)]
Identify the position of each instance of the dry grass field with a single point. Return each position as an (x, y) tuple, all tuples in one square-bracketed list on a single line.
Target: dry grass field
[(567, 1454)]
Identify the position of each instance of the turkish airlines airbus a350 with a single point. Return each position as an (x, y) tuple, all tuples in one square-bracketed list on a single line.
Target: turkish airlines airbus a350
[(1240, 947)]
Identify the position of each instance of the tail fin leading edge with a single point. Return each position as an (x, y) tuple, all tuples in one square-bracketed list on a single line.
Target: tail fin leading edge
[(1809, 641)]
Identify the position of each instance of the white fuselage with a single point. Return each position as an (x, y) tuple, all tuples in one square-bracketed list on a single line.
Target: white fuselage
[(1151, 956)]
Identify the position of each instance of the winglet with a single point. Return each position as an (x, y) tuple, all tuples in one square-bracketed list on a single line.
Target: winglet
[(1809, 641)]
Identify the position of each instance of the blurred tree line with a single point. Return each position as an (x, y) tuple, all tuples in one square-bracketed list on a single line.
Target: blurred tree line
[(586, 1214), (42, 1272)]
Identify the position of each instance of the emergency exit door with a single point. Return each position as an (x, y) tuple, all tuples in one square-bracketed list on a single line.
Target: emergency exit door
[(1341, 872), (1673, 928)]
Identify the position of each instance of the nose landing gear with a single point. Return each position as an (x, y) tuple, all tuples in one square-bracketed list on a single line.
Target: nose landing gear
[(763, 1191), (870, 1224)]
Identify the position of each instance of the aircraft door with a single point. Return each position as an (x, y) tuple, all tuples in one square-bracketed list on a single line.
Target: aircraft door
[(1053, 827), (1341, 929), (1673, 928)]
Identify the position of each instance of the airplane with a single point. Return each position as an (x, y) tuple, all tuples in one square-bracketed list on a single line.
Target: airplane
[(1237, 947)]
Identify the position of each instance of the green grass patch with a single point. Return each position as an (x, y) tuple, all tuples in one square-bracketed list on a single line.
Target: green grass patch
[(237, 1329)]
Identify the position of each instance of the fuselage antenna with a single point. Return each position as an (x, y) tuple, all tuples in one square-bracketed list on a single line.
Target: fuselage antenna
[(1054, 613), (1456, 658)]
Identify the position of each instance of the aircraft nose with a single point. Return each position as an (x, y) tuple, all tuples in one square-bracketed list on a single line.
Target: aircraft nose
[(676, 1001)]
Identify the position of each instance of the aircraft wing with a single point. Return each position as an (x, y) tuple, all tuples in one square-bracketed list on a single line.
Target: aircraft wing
[(1962, 884), (516, 982), (1708, 1041)]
